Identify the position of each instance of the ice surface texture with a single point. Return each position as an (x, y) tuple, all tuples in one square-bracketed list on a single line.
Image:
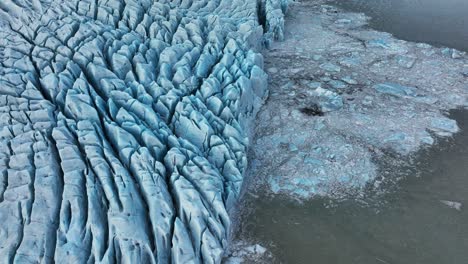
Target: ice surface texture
[(124, 126)]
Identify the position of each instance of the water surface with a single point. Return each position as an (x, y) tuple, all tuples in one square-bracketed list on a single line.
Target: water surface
[(438, 22)]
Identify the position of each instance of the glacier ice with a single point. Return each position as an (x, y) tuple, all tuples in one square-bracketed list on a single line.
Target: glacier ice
[(124, 126)]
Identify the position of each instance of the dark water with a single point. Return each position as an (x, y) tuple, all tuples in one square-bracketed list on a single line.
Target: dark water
[(438, 22), (409, 224)]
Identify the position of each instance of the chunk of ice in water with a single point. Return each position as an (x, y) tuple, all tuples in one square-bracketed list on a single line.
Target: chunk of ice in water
[(454, 205)]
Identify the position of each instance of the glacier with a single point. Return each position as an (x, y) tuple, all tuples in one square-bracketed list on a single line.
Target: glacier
[(125, 125)]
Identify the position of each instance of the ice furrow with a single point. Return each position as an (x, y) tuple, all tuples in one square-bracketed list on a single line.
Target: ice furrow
[(125, 124)]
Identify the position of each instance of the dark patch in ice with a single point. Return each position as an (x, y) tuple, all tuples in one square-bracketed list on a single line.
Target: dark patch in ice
[(313, 110)]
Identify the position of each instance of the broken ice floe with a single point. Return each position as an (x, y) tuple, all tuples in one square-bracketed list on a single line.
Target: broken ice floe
[(343, 96), (242, 252)]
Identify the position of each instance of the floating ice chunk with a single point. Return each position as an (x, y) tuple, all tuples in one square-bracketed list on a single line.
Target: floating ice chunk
[(465, 70), (256, 249), (337, 84), (443, 126), (426, 138), (330, 67), (454, 205), (378, 43), (453, 53), (405, 61), (296, 70), (349, 80), (368, 100), (272, 70), (395, 89), (456, 54), (343, 21), (350, 62), (292, 147), (316, 57), (328, 100), (313, 85), (426, 99), (398, 137)]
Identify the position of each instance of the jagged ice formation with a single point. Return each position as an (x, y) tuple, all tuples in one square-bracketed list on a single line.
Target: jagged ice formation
[(124, 126)]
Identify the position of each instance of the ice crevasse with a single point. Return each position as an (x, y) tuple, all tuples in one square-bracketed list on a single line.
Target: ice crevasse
[(124, 126)]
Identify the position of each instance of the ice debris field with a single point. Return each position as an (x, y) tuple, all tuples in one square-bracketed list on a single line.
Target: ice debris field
[(343, 96), (125, 124)]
